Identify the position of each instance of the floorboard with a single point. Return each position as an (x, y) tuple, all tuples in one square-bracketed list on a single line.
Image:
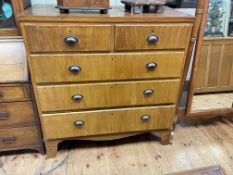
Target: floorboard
[(196, 144)]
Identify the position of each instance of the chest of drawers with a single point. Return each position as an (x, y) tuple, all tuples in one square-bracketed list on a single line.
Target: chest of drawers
[(103, 77)]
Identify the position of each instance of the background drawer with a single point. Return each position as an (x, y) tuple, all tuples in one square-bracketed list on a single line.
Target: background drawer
[(134, 37), (19, 138), (48, 38), (108, 122), (16, 92), (105, 95), (16, 113), (103, 67)]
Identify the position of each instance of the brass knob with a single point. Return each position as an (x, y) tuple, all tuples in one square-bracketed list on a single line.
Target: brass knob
[(77, 97), (71, 40), (152, 39), (145, 118), (148, 92), (79, 123), (75, 69), (151, 66)]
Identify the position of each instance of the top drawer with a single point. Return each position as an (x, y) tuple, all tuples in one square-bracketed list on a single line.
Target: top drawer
[(70, 37), (150, 37)]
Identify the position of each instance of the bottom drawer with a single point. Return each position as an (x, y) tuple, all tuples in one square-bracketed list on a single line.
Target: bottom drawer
[(107, 121), (19, 138)]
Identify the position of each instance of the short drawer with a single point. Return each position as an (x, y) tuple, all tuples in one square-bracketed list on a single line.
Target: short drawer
[(107, 122), (106, 67), (15, 92), (150, 37), (16, 114), (19, 138), (72, 37), (106, 95)]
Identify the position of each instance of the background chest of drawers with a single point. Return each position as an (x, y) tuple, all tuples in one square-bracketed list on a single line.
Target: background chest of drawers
[(19, 126), (105, 76)]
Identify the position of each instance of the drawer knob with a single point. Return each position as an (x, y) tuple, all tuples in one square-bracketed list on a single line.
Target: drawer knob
[(152, 39), (151, 66), (79, 123), (9, 140), (75, 69), (148, 92), (71, 40), (4, 115), (145, 118), (77, 97)]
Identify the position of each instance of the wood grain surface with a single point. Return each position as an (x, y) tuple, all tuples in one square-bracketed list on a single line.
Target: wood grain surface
[(107, 122), (196, 144), (106, 95), (54, 68)]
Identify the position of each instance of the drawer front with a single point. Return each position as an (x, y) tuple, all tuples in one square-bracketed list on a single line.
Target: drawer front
[(49, 38), (104, 95), (150, 37), (107, 122), (10, 93), (16, 113), (104, 67), (19, 138)]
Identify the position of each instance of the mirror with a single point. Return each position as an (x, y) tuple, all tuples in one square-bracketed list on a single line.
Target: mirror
[(211, 87)]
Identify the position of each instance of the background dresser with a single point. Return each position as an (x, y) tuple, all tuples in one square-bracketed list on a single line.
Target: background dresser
[(107, 76), (19, 126)]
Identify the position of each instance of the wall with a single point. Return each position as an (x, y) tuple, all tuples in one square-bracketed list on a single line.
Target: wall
[(112, 2)]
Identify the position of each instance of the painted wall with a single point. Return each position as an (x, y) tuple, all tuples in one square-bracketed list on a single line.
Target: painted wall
[(112, 2)]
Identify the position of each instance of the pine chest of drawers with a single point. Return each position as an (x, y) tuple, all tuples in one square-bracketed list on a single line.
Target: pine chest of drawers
[(106, 76)]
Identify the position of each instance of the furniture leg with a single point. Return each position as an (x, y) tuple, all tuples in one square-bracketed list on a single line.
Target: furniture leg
[(51, 148), (166, 137)]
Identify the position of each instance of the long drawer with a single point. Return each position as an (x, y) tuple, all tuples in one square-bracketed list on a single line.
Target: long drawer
[(105, 67), (16, 114), (19, 138), (14, 92), (104, 95), (107, 121), (150, 37), (68, 37)]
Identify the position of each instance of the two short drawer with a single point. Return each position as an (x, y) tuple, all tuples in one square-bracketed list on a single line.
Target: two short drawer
[(107, 95), (102, 122), (77, 37), (57, 68)]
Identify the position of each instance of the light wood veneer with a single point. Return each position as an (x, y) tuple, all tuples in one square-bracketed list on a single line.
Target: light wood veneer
[(116, 75)]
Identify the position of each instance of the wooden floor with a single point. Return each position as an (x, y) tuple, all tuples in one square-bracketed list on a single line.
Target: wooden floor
[(212, 101), (196, 144)]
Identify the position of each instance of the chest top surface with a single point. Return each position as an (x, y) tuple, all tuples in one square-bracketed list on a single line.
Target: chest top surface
[(39, 13)]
